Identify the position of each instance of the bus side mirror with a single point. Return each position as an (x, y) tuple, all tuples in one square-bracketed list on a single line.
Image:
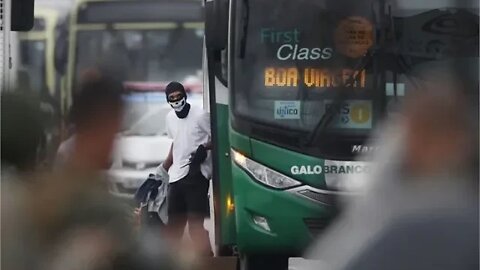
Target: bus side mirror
[(22, 15), (216, 24)]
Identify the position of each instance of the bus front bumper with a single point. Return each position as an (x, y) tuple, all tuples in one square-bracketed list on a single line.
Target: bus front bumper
[(277, 221)]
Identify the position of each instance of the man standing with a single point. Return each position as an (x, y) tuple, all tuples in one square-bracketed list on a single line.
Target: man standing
[(189, 167)]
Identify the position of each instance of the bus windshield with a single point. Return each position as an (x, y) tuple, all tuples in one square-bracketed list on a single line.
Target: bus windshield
[(145, 55), (321, 78)]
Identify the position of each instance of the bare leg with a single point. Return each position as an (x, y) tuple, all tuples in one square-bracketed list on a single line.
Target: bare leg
[(199, 235)]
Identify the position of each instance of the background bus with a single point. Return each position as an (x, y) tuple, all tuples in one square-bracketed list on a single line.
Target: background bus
[(146, 44), (306, 86), (37, 49), (37, 74)]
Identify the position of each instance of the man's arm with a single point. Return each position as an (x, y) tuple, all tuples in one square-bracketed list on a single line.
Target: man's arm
[(205, 125), (208, 145), (169, 160)]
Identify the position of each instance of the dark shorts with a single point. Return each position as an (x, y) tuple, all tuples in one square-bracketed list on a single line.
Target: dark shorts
[(189, 196)]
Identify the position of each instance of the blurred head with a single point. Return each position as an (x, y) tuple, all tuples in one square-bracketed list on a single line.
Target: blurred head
[(22, 131), (439, 128), (114, 61), (97, 112)]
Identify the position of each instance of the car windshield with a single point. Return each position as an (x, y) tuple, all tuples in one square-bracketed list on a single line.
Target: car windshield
[(145, 114), (170, 53)]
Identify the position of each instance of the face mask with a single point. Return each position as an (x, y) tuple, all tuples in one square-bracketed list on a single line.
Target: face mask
[(178, 105)]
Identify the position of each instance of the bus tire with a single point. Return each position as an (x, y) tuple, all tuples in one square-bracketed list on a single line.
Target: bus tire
[(262, 262)]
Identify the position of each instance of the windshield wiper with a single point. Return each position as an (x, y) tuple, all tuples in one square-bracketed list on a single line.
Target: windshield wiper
[(383, 26), (340, 96)]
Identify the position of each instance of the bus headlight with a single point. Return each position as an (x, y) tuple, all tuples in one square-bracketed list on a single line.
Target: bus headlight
[(264, 174)]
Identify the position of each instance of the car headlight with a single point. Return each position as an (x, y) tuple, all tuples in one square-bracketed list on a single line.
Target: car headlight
[(264, 174)]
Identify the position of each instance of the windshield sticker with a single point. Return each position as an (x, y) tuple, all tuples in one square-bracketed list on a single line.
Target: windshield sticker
[(390, 89), (289, 109), (354, 36), (352, 114)]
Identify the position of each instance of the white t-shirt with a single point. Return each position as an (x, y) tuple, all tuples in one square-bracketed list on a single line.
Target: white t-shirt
[(187, 134)]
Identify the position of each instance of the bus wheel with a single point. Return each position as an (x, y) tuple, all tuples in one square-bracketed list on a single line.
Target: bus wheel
[(262, 262)]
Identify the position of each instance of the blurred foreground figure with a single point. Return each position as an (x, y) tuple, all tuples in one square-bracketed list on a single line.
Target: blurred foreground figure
[(70, 217), (21, 132), (421, 209), (66, 149), (21, 139)]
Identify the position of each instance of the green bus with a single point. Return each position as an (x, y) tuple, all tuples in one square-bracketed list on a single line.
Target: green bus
[(146, 43), (295, 89)]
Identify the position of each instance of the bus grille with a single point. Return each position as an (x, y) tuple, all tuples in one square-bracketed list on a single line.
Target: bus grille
[(323, 198)]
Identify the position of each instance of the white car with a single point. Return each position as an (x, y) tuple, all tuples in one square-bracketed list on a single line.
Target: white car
[(138, 156), (142, 145)]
